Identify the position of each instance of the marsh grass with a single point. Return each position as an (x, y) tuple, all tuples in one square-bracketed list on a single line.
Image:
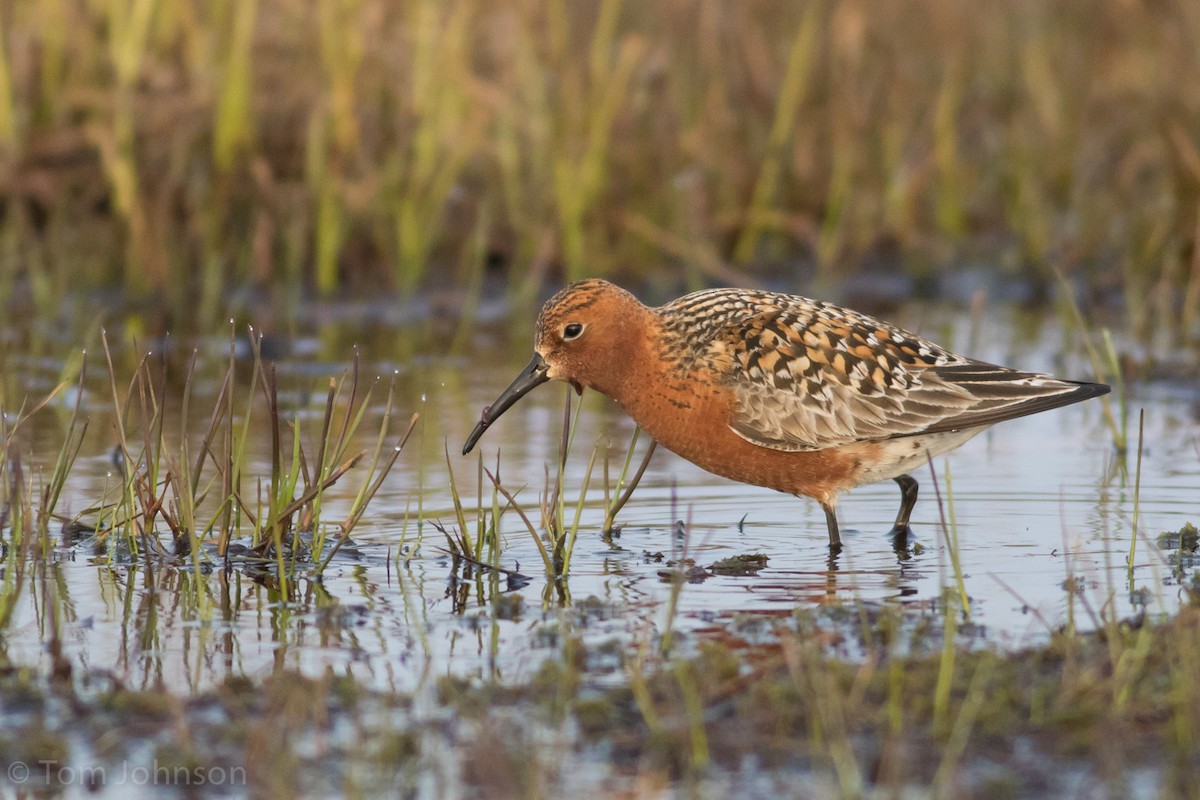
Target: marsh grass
[(201, 491), (184, 153), (1096, 707), (625, 486), (558, 532), (902, 718), (1137, 497), (16, 518), (1105, 367)]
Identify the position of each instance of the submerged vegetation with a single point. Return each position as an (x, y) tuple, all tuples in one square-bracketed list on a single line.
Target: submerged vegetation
[(182, 150)]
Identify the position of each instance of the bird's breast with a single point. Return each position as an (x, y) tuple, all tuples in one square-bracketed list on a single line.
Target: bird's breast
[(689, 415)]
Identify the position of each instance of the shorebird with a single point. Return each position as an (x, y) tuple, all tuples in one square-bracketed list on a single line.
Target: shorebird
[(778, 390)]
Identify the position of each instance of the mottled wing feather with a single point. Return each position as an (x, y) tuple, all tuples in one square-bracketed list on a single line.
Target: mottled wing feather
[(809, 375)]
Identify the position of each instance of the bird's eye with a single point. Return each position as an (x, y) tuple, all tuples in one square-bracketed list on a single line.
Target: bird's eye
[(572, 331)]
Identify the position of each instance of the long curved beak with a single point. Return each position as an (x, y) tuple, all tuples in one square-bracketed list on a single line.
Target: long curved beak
[(533, 375)]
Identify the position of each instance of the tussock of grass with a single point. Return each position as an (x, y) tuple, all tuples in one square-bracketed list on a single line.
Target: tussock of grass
[(560, 523), (179, 499)]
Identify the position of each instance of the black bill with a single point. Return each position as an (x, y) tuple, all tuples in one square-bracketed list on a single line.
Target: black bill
[(533, 375)]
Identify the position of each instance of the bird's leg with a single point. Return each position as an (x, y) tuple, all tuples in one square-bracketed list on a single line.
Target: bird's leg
[(835, 539), (908, 499)]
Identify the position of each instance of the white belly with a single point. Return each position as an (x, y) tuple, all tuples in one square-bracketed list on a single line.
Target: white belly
[(909, 453)]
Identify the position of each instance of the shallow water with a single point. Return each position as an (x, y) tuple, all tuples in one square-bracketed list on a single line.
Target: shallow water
[(1033, 502)]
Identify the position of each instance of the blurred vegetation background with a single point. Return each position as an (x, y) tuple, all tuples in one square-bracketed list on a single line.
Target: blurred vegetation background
[(184, 151)]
